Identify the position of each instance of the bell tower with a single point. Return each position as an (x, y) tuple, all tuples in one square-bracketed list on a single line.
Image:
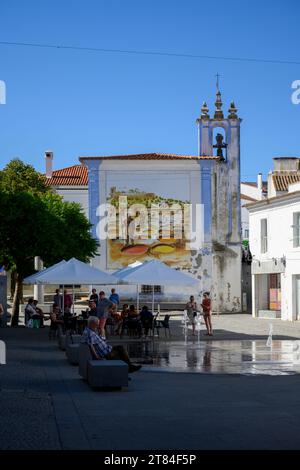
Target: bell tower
[(226, 143), (219, 137)]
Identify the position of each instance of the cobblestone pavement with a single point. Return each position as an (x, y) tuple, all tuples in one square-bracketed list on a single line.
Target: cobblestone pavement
[(45, 405)]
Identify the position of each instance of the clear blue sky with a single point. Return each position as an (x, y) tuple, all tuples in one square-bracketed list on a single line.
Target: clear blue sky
[(85, 103)]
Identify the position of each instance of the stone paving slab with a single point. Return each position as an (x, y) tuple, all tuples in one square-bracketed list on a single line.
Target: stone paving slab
[(45, 405)]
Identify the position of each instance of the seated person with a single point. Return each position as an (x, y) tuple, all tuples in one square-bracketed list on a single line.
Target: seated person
[(32, 313), (69, 320), (114, 318), (122, 319), (2, 320), (125, 311), (134, 321), (92, 311), (56, 321), (146, 319), (100, 349)]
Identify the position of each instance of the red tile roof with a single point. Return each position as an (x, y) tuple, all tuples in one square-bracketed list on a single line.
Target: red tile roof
[(76, 175), (282, 179), (150, 156)]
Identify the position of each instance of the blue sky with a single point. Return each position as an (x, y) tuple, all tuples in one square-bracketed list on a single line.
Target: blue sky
[(85, 103)]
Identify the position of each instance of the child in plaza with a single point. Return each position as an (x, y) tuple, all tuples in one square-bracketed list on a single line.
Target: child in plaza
[(206, 305)]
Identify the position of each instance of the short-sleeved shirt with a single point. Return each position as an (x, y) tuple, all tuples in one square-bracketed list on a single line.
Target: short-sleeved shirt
[(102, 308), (90, 337), (30, 310), (115, 298), (94, 298)]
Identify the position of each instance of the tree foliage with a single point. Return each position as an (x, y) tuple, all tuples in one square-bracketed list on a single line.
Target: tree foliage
[(18, 176), (37, 222)]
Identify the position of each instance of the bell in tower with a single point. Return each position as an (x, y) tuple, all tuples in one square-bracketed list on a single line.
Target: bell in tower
[(220, 145)]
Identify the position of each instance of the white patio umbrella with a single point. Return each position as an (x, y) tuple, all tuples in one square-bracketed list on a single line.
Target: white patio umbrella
[(155, 272), (33, 278), (121, 273), (74, 272)]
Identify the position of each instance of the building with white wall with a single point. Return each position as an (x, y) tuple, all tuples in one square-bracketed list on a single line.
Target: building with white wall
[(275, 247), (210, 179)]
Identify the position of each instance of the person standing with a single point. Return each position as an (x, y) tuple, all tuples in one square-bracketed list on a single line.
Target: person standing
[(206, 305), (191, 310), (68, 302), (103, 308), (114, 297), (94, 297), (57, 299)]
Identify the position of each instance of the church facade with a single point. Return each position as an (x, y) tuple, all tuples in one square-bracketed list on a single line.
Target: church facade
[(210, 180)]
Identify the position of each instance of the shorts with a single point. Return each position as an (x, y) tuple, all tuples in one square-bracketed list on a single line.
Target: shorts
[(192, 318), (102, 322)]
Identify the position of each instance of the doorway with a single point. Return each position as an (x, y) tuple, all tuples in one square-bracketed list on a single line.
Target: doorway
[(297, 295)]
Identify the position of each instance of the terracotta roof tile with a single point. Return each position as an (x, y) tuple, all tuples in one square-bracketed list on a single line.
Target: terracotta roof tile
[(76, 175), (150, 156), (282, 179)]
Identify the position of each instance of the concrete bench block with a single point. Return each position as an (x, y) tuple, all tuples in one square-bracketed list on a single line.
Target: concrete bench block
[(72, 353), (74, 339), (106, 374), (62, 342), (84, 357)]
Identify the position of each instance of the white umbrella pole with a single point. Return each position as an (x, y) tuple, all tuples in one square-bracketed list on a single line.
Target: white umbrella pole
[(63, 300), (152, 299), (73, 298), (137, 298)]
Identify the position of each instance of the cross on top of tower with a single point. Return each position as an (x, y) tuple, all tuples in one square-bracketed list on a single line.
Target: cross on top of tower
[(218, 76), (218, 111)]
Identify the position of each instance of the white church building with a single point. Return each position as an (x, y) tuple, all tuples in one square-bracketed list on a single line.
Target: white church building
[(210, 180)]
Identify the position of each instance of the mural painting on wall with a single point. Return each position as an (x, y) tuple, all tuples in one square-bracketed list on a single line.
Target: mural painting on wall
[(156, 207)]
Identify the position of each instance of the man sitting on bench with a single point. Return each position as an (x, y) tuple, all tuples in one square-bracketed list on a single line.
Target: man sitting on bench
[(101, 350)]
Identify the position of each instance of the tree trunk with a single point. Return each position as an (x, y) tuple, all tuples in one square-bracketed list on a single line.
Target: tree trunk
[(13, 284), (16, 301)]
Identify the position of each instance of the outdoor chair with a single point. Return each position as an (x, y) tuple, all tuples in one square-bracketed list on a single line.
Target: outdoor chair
[(165, 323), (132, 328), (154, 323)]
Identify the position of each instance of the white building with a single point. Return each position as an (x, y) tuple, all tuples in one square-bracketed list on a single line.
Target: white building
[(210, 179), (275, 245), (250, 192)]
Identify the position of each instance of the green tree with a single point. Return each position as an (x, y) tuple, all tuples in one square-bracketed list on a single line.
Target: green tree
[(37, 222), (17, 176)]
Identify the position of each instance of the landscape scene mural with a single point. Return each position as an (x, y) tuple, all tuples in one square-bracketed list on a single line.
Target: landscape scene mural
[(154, 190)]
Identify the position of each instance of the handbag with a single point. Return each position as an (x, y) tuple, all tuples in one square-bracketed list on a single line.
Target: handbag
[(30, 323)]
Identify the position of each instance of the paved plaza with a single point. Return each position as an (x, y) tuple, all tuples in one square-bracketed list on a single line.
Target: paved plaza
[(45, 405)]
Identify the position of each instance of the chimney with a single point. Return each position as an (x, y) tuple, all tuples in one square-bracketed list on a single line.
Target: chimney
[(259, 183), (49, 159)]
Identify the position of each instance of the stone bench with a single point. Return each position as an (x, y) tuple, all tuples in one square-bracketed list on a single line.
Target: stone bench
[(72, 353), (101, 373), (64, 339)]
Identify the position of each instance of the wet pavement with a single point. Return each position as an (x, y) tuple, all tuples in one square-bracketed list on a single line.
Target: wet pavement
[(277, 357), (220, 405)]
